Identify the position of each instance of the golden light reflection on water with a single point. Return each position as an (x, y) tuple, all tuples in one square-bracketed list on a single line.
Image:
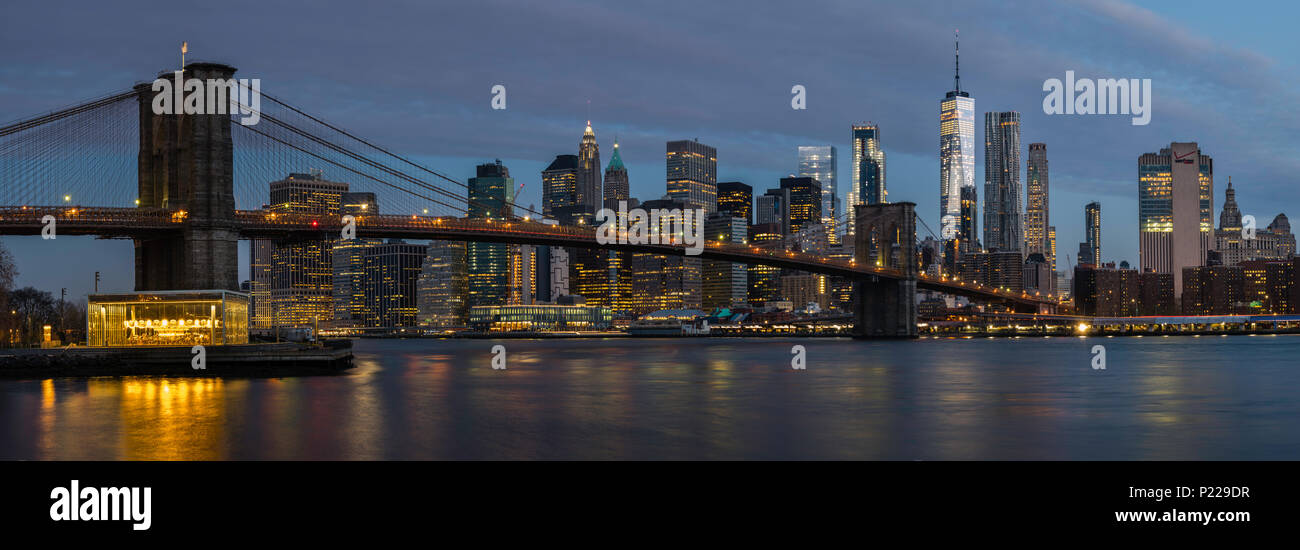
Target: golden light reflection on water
[(678, 399), (169, 418)]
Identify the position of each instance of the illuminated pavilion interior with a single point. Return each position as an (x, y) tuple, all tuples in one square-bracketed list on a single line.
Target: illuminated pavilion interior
[(167, 318)]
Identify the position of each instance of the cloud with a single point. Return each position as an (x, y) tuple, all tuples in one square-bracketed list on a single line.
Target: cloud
[(416, 76)]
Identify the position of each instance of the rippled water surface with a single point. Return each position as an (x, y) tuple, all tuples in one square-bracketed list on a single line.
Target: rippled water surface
[(1232, 397)]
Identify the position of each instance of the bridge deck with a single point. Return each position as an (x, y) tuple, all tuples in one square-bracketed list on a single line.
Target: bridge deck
[(146, 222)]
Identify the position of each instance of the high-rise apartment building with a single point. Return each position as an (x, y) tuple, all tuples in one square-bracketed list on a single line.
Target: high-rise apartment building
[(1037, 219), (1002, 190), (1092, 229), (1175, 209), (868, 165), (868, 169)]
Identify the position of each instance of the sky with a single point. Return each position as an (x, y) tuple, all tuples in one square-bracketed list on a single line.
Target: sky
[(417, 77)]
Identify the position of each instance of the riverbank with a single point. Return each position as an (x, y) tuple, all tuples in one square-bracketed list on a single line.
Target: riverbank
[(243, 360), (1095, 333)]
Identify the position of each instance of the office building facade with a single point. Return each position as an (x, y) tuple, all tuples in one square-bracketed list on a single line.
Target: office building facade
[(491, 193), (819, 162), (692, 174), (1175, 206)]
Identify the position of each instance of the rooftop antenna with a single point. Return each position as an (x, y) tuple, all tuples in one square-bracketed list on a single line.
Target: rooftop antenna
[(956, 46)]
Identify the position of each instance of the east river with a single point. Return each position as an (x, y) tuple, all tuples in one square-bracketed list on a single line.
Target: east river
[(1209, 397)]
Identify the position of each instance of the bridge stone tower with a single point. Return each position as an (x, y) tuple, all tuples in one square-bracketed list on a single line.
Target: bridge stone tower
[(886, 237), (187, 163)]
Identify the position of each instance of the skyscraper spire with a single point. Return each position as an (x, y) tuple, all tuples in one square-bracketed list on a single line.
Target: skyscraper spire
[(956, 46), (589, 184)]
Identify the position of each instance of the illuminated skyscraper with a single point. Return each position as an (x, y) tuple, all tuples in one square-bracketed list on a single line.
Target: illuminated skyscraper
[(764, 280), (349, 263), (391, 271), (868, 164), (773, 207), (1175, 209), (1051, 252), (589, 187), (724, 283), (302, 272), (1092, 224), (967, 228), (737, 199), (956, 160), (616, 184), (1036, 204), (692, 170), (560, 184), (661, 281), (443, 286), (818, 162), (491, 193), (259, 293), (1002, 207), (348, 258), (602, 276), (868, 171), (805, 202)]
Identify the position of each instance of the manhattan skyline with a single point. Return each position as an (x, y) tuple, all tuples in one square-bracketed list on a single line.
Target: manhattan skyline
[(731, 92)]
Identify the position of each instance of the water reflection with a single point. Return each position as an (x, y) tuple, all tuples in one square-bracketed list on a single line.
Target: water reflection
[(1177, 398)]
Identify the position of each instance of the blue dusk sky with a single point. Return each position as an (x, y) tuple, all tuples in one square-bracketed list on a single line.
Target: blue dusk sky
[(416, 77)]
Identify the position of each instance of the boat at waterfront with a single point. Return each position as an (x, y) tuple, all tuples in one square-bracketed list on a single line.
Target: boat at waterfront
[(671, 322)]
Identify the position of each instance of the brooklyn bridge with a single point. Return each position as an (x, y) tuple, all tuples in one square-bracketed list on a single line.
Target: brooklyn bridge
[(187, 187)]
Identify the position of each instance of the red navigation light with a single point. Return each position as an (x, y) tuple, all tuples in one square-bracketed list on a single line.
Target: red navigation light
[(315, 223)]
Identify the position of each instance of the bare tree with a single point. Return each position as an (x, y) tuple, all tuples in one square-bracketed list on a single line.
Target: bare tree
[(8, 317), (32, 309)]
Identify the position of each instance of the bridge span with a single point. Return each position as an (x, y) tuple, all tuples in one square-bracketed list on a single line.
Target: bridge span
[(135, 223)]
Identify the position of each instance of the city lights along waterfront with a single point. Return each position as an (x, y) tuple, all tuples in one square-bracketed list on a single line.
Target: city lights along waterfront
[(452, 349), (1176, 398)]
